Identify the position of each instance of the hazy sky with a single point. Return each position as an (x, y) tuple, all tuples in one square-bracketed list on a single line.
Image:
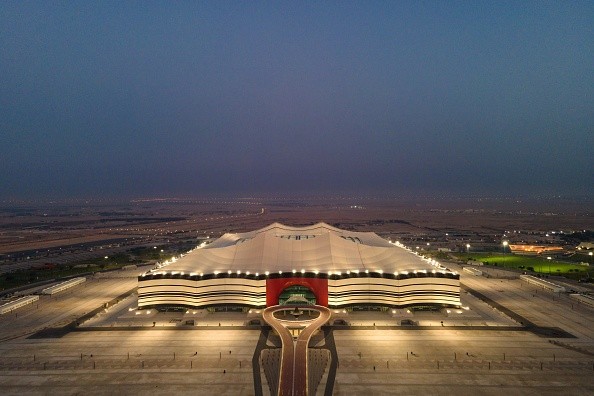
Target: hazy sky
[(188, 98)]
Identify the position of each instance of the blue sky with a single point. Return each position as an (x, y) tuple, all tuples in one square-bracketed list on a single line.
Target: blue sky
[(192, 98)]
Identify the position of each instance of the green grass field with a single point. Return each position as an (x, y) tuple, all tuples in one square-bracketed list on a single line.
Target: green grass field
[(538, 264)]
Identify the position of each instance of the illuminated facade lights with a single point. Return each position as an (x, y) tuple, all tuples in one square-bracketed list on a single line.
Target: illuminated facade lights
[(314, 257)]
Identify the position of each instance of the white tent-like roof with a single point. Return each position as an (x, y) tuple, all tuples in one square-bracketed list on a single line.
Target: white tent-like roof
[(319, 247)]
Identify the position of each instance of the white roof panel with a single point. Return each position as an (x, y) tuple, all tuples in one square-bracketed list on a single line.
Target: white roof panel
[(283, 248)]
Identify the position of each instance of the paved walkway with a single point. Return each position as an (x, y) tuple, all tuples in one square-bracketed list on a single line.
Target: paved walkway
[(293, 372)]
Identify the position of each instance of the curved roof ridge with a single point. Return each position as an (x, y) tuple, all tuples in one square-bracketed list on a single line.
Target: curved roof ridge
[(285, 227), (328, 226)]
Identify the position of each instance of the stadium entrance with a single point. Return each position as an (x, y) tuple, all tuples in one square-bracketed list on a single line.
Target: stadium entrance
[(314, 290), (297, 295)]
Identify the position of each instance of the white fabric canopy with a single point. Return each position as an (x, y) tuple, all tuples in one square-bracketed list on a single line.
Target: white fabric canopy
[(319, 247)]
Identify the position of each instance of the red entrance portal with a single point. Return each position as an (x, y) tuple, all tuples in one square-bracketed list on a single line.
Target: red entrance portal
[(274, 288)]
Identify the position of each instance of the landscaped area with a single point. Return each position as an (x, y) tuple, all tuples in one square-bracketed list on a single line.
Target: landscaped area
[(540, 265), (32, 275)]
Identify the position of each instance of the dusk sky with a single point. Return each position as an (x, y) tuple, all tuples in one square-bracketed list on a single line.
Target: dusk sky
[(191, 98)]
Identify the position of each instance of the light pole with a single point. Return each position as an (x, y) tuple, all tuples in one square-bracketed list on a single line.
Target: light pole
[(504, 243), (549, 260), (467, 247)]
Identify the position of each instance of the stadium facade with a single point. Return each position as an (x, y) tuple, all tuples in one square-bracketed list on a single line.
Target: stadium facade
[(334, 267)]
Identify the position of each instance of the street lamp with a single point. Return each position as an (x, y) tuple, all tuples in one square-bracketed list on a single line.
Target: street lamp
[(504, 243), (467, 247), (549, 260)]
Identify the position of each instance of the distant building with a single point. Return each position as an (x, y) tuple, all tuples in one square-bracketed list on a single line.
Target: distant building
[(586, 246), (535, 249), (323, 264)]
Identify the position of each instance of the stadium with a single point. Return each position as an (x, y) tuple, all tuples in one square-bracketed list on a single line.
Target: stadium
[(317, 264)]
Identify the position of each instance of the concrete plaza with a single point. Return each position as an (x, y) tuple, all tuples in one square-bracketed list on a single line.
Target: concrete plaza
[(480, 350)]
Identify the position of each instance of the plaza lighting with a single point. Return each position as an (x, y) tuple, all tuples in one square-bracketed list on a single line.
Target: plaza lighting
[(467, 247)]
